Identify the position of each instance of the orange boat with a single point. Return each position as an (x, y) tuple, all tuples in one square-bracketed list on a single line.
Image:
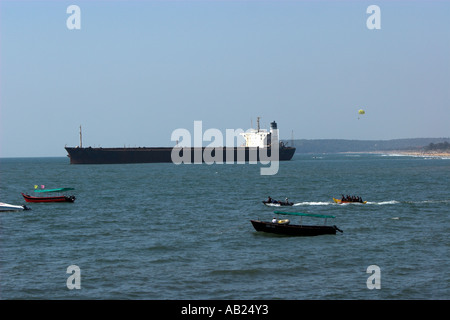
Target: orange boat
[(348, 201)]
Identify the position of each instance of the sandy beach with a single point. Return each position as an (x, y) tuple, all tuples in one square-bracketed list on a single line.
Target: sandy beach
[(437, 154)]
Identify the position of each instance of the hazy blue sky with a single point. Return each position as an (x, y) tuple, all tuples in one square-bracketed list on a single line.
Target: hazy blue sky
[(136, 71)]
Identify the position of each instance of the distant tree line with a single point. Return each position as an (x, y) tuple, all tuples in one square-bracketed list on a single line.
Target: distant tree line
[(342, 145), (438, 146)]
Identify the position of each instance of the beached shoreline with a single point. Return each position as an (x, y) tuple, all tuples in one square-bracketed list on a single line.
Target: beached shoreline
[(437, 154)]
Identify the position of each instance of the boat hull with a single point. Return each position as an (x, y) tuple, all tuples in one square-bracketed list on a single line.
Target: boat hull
[(6, 207), (29, 198), (164, 154), (292, 229), (278, 204)]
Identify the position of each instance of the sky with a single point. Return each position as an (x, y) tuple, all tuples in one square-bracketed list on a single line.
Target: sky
[(135, 71)]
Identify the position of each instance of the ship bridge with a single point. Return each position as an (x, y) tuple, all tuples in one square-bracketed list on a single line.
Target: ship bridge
[(261, 138)]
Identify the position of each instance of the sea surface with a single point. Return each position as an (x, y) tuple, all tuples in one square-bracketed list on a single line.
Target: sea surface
[(176, 232)]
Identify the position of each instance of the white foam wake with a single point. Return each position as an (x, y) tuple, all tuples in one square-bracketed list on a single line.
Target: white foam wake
[(383, 202), (312, 203)]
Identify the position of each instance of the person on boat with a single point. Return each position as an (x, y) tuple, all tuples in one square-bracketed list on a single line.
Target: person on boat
[(274, 220), (287, 201), (269, 200)]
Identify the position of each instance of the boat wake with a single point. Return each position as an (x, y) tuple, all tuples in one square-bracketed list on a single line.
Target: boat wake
[(380, 203), (428, 201), (306, 203), (377, 203), (410, 202), (312, 203), (321, 203)]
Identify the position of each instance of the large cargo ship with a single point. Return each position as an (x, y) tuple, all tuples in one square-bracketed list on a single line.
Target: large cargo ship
[(258, 147)]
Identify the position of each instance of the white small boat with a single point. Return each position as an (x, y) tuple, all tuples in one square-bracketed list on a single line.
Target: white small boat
[(10, 207)]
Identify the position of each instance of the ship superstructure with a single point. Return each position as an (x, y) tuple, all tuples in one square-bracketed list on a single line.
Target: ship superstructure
[(261, 138)]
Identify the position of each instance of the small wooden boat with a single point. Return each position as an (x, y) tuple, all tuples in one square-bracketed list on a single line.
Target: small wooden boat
[(53, 198), (347, 201), (284, 226), (5, 207)]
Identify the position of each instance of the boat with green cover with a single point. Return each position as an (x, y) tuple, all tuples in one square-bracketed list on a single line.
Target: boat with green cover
[(43, 197), (285, 227)]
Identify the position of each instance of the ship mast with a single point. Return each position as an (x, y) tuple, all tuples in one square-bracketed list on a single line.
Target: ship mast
[(81, 139)]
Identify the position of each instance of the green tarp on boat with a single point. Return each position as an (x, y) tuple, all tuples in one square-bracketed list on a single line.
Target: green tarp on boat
[(54, 190), (304, 214)]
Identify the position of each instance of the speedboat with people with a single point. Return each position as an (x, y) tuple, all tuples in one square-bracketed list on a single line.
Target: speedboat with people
[(276, 203), (5, 207), (349, 199)]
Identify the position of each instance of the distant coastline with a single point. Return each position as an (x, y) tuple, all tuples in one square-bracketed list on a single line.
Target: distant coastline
[(413, 146), (437, 154)]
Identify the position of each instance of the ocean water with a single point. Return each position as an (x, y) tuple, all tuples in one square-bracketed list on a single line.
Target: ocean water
[(165, 231)]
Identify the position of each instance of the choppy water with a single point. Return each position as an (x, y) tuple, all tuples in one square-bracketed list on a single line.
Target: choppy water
[(161, 231)]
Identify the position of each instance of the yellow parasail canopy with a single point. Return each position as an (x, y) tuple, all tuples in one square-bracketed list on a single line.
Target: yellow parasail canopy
[(361, 111)]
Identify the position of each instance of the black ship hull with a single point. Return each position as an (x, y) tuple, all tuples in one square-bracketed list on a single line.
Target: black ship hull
[(164, 154)]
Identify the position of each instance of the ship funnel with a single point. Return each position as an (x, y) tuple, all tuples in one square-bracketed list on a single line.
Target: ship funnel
[(273, 125), (273, 134)]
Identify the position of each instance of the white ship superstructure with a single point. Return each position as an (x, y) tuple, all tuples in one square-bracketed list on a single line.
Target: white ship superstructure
[(261, 138)]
